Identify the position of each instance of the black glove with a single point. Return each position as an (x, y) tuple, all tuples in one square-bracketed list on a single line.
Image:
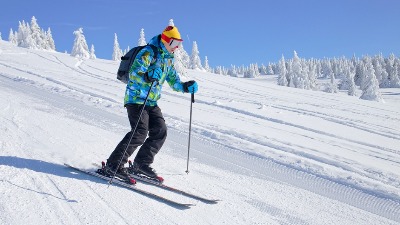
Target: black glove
[(190, 87)]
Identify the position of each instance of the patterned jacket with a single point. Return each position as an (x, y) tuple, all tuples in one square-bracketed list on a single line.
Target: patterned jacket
[(137, 88)]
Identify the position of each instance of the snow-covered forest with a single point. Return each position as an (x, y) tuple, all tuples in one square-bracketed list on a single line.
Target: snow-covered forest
[(368, 73)]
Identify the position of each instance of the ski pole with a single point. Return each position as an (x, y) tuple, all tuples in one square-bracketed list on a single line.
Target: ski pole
[(133, 132), (190, 130)]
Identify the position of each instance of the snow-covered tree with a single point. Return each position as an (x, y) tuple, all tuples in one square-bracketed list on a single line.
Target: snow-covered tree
[(80, 48), (92, 54), (195, 61), (50, 45), (333, 86), (37, 35), (142, 39), (380, 72), (289, 74), (312, 75), (282, 80), (233, 71), (395, 82), (183, 55), (370, 90), (252, 71), (126, 50), (348, 77), (117, 52), (298, 75), (171, 22), (392, 71), (181, 61), (351, 72), (24, 37), (1, 37), (12, 38), (270, 71), (206, 65), (32, 36), (306, 73), (219, 70)]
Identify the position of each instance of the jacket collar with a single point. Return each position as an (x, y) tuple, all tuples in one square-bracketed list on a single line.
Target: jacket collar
[(156, 41)]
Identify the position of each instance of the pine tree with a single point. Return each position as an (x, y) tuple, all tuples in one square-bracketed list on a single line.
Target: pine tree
[(395, 82), (385, 83), (352, 86), (195, 62), (312, 75), (142, 39), (252, 71), (218, 70), (270, 71), (36, 34), (263, 69), (180, 62), (370, 90), (171, 22), (24, 37), (1, 37), (92, 54), (12, 38), (80, 48), (117, 53), (282, 80), (233, 72), (345, 80), (50, 41), (206, 65), (298, 75), (305, 74), (333, 86)]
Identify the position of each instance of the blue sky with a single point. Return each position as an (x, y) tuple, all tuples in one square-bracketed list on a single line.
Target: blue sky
[(227, 32)]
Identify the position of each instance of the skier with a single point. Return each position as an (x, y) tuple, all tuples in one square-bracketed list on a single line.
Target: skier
[(148, 68)]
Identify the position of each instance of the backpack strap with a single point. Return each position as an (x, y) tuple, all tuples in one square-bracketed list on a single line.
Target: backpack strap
[(155, 50)]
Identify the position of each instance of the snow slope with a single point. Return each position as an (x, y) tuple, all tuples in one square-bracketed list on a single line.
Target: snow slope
[(273, 155)]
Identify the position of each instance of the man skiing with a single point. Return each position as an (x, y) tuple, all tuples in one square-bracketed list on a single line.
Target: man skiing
[(148, 73)]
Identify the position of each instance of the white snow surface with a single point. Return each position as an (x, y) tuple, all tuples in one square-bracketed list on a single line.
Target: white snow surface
[(271, 154)]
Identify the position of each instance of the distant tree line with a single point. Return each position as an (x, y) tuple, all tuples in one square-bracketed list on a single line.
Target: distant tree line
[(33, 37), (369, 73)]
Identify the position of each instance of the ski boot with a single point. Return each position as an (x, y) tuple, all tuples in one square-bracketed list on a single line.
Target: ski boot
[(143, 171), (122, 174)]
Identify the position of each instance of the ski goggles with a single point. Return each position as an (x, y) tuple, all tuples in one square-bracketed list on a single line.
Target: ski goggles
[(172, 42)]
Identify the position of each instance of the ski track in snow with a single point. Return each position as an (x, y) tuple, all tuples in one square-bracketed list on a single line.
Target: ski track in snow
[(42, 178)]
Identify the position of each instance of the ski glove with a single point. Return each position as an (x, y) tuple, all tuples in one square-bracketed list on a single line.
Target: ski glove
[(153, 75), (190, 87)]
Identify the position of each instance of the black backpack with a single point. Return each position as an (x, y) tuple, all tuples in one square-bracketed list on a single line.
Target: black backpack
[(128, 59)]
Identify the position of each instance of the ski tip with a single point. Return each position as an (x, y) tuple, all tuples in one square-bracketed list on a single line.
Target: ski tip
[(214, 201), (160, 179), (132, 181), (186, 206)]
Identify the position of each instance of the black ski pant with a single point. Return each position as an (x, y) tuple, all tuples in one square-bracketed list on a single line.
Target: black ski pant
[(151, 133)]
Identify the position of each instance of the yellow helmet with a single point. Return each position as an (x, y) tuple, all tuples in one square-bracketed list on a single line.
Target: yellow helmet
[(169, 33)]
